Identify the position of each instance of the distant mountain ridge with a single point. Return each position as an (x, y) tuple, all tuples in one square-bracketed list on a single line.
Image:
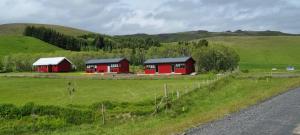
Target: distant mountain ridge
[(192, 35), (18, 29)]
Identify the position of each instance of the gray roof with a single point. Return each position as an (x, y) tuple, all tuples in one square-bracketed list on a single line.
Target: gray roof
[(104, 61), (167, 60)]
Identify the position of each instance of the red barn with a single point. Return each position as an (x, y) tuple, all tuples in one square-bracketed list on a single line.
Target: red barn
[(56, 64), (183, 65), (118, 65)]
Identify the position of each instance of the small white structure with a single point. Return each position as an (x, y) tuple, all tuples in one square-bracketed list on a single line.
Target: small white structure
[(290, 68), (274, 69)]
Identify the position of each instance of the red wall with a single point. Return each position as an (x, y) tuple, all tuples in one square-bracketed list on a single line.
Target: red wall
[(164, 68), (64, 66), (101, 68), (190, 66), (42, 69), (150, 71), (124, 66)]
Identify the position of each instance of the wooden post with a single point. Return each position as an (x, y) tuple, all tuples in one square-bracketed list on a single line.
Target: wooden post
[(166, 90), (156, 104), (103, 115), (178, 94), (172, 93)]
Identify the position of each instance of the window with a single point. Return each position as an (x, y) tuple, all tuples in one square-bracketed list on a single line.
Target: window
[(114, 65), (150, 66), (180, 65), (91, 66)]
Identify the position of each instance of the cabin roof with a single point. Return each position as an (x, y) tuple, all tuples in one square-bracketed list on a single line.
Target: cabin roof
[(50, 61), (167, 60), (104, 61)]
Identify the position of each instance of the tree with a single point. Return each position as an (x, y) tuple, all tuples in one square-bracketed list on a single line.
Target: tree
[(202, 43), (216, 58), (99, 42), (55, 38)]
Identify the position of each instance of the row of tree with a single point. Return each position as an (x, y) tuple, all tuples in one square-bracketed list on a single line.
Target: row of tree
[(55, 38), (88, 42)]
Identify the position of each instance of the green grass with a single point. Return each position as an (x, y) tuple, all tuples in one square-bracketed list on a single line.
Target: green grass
[(21, 44), (264, 52), (202, 105), (54, 91), (207, 105), (18, 29)]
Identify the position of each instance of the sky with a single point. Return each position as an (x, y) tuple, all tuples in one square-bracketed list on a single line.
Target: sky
[(118, 17)]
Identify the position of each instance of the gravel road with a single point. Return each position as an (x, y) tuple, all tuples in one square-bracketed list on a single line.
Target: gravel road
[(277, 116)]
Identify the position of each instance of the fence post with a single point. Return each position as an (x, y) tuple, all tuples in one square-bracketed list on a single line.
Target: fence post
[(103, 115), (166, 90), (156, 104), (172, 94)]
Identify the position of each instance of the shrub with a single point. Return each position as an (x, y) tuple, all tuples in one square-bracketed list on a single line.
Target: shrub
[(245, 71), (216, 58), (9, 111)]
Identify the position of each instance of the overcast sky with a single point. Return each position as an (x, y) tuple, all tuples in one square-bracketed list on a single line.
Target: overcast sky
[(156, 16)]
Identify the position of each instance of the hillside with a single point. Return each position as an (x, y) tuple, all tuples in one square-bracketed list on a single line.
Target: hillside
[(264, 52), (192, 35), (261, 52), (21, 44), (18, 29)]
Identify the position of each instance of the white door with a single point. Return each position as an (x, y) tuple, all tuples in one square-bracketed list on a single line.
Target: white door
[(108, 69)]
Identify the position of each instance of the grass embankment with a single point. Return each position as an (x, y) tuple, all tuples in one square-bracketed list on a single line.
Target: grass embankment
[(199, 106), (264, 52), (22, 44)]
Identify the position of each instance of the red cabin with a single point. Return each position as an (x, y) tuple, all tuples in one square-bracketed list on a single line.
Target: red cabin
[(183, 65), (118, 65), (56, 64)]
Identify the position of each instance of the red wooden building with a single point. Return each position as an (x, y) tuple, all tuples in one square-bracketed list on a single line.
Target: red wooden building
[(183, 65), (118, 65), (56, 64)]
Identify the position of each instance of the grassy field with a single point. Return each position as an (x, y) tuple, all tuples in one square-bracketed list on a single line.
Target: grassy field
[(18, 29), (264, 52), (21, 44), (200, 106), (203, 105), (54, 91)]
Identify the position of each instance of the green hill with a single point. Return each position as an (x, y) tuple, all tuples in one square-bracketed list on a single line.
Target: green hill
[(264, 52), (22, 44), (18, 29)]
